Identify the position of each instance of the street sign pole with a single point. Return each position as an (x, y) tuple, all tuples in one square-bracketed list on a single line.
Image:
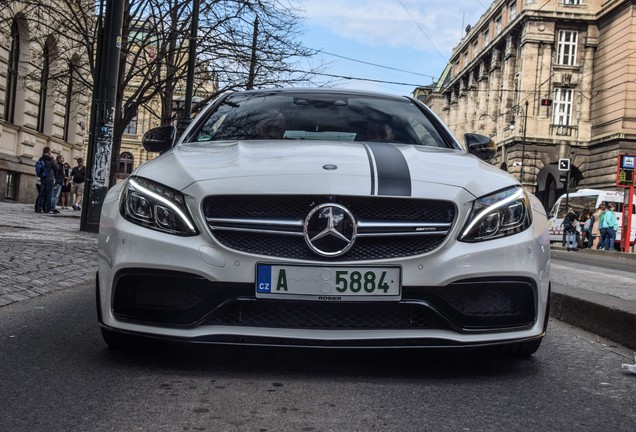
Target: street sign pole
[(628, 205), (564, 166), (625, 178), (100, 142)]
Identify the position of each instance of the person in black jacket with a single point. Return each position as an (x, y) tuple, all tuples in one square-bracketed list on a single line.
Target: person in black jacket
[(66, 187), (47, 179), (570, 224), (78, 175), (59, 182)]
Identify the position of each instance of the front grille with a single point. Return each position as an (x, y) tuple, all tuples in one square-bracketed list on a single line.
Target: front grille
[(365, 249), (388, 227), (318, 315)]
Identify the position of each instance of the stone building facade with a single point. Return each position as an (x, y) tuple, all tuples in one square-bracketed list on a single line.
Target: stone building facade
[(559, 71), (41, 102)]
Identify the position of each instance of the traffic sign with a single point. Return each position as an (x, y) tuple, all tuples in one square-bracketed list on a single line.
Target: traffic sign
[(625, 173), (564, 164)]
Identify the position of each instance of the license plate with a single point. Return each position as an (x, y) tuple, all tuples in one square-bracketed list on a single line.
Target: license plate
[(325, 283)]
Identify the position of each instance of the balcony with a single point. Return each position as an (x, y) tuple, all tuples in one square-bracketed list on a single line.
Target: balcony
[(564, 131)]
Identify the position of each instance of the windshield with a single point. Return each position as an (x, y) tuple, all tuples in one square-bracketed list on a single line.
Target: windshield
[(318, 116)]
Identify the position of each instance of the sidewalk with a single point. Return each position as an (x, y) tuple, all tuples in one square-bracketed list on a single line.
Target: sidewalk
[(603, 303), (42, 253)]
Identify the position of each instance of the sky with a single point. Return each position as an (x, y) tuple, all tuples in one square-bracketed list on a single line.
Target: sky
[(414, 36)]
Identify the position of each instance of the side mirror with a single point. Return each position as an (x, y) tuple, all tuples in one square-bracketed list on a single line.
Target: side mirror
[(480, 145), (159, 139)]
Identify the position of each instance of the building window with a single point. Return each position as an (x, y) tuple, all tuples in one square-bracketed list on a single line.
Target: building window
[(566, 48), (572, 2), (562, 114), (9, 192), (465, 59), (498, 25), (486, 37), (131, 128), (126, 161), (475, 48), (512, 11), (12, 73)]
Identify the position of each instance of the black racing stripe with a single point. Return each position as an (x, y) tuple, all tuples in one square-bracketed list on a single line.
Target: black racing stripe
[(394, 177), (371, 167)]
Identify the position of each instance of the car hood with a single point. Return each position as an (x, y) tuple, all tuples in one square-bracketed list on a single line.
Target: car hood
[(329, 167)]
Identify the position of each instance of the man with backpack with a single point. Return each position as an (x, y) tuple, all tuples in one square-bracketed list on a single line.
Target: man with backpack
[(45, 169)]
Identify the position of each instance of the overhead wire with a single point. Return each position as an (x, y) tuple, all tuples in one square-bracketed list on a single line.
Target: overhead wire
[(375, 64), (360, 78), (423, 32)]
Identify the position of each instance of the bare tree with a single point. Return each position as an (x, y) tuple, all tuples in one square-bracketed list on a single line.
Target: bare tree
[(241, 44)]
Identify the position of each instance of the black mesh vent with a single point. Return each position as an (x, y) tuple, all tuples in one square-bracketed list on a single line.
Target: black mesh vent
[(317, 315), (295, 247), (364, 208)]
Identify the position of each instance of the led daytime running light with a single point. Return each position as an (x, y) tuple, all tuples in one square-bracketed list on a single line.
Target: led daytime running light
[(519, 194), (164, 201)]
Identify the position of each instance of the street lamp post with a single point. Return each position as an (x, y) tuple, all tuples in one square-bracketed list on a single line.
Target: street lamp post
[(523, 112)]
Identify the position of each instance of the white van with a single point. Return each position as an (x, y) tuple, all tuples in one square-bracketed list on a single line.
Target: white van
[(589, 199)]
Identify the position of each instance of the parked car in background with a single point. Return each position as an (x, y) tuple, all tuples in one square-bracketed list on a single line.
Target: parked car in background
[(322, 218)]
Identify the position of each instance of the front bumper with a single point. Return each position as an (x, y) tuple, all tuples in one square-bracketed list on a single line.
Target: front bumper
[(190, 288)]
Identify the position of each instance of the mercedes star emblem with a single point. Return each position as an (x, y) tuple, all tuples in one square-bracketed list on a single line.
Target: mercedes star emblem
[(330, 230)]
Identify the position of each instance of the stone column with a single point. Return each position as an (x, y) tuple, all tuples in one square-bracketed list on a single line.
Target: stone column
[(454, 108), (585, 83), (494, 91), (471, 104)]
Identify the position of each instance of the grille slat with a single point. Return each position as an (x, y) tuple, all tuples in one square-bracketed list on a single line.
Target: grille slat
[(368, 209)]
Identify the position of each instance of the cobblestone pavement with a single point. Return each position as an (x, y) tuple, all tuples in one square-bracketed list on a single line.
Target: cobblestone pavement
[(42, 253)]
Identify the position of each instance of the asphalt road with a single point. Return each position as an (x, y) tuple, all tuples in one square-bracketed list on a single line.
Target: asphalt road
[(605, 261), (56, 374)]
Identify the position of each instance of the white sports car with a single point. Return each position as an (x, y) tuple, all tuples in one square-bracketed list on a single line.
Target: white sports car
[(322, 218)]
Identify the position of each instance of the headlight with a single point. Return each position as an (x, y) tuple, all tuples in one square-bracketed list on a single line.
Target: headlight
[(155, 206), (498, 215)]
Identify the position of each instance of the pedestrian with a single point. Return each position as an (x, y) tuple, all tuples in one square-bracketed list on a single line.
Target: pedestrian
[(59, 183), (570, 224), (47, 179), (611, 226), (78, 175), (602, 227), (65, 201), (593, 231), (584, 228)]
